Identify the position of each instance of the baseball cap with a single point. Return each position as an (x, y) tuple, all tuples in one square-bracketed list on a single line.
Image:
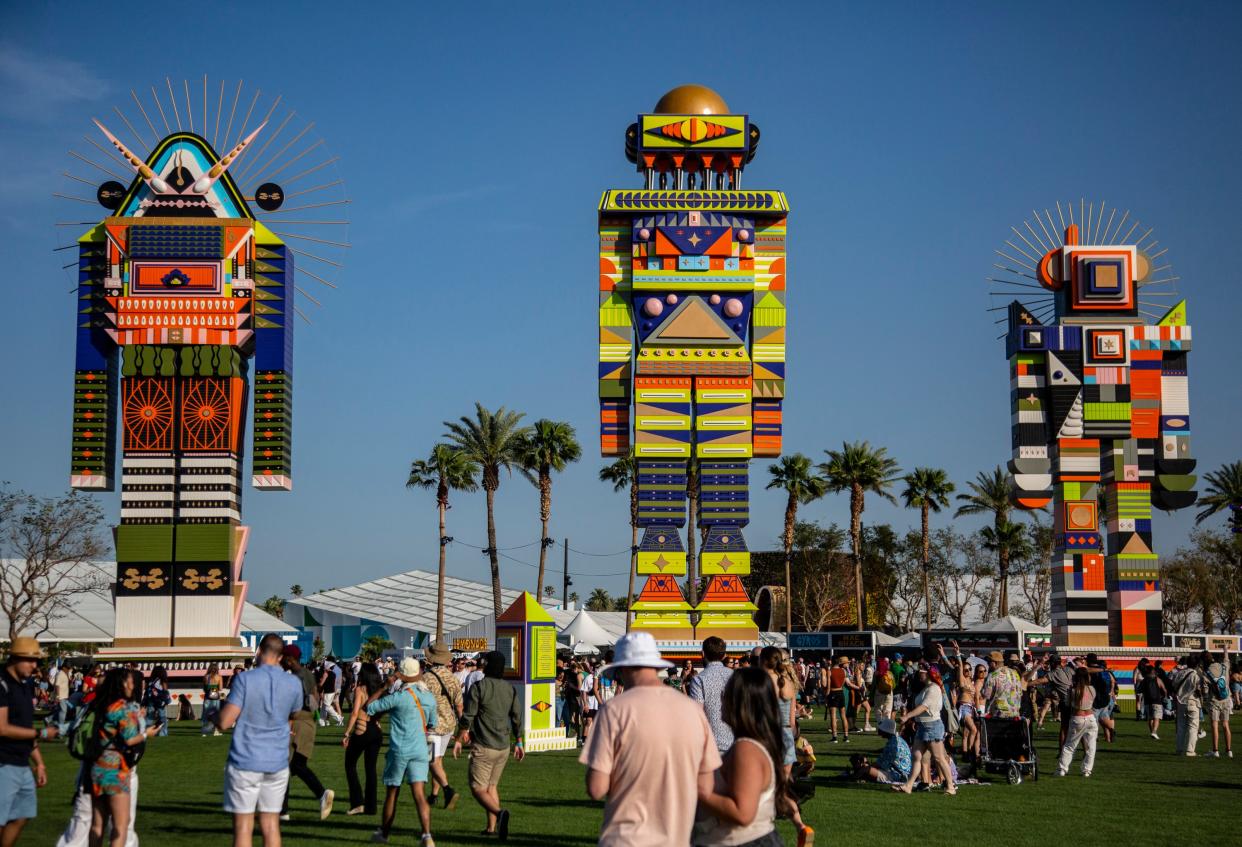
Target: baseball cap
[(410, 667)]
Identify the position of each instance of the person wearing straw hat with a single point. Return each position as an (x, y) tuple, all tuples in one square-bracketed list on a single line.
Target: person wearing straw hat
[(447, 691), (646, 752), (411, 712), (19, 740)]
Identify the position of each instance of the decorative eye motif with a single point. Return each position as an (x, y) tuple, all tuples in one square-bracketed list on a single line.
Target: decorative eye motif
[(110, 194), (269, 196)]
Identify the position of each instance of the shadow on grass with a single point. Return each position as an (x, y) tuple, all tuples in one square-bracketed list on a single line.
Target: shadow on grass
[(555, 802), (1190, 783)]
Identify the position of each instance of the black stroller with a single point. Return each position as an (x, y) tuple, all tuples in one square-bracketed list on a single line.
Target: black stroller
[(1006, 748)]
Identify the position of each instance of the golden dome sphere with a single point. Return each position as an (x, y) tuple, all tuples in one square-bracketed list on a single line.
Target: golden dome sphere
[(691, 100)]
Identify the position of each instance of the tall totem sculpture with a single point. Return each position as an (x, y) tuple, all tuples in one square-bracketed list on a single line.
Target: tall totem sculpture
[(1101, 417), (181, 290), (692, 350)]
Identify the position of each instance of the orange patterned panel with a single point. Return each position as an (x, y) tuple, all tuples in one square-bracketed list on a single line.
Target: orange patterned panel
[(147, 411), (1093, 572), (211, 410)]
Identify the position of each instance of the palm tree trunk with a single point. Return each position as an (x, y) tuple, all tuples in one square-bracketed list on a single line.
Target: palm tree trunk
[(856, 510), (926, 564), (791, 517), (440, 583), (692, 562), (629, 595), (545, 512), (1004, 584), (492, 555)]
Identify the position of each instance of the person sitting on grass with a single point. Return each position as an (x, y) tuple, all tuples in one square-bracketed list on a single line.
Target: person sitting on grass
[(411, 713)]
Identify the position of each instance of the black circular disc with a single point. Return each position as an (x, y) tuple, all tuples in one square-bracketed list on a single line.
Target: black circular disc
[(110, 194), (269, 196)]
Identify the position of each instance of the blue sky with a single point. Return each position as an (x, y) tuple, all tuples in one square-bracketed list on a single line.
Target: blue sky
[(476, 139)]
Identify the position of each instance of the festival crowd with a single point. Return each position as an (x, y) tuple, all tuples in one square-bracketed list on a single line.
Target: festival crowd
[(703, 754)]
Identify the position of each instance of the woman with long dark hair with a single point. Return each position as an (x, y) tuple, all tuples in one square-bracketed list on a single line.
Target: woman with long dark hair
[(741, 800), (363, 737), (1083, 725), (156, 699), (118, 721), (212, 683)]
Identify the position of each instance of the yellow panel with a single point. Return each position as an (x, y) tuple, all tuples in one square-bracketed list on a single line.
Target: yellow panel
[(715, 563)]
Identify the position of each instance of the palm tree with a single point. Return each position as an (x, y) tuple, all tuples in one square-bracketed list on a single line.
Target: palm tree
[(928, 490), (793, 475), (489, 439), (598, 601), (446, 469), (1224, 491), (1009, 541), (548, 446), (623, 474), (989, 494), (858, 469)]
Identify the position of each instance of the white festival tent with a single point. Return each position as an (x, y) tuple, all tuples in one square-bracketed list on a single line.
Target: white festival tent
[(583, 630)]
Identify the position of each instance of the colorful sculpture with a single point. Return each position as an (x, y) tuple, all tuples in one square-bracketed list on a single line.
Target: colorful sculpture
[(181, 290), (692, 350), (526, 635), (1101, 419)]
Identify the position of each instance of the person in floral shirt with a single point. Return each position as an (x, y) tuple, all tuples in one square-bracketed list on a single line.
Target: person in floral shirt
[(119, 725), (894, 761), (1002, 691)]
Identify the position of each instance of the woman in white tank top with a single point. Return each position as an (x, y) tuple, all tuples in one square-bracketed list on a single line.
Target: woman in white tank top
[(738, 803)]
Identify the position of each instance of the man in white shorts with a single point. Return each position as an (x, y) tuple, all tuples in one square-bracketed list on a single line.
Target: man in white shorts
[(261, 704)]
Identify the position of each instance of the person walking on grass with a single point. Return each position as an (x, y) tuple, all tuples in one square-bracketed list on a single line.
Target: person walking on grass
[(492, 712), (649, 750), (302, 735), (212, 685), (707, 688), (1189, 687), (1084, 726), (1220, 705), (411, 710), (837, 677), (119, 734), (1154, 695), (362, 740), (21, 764), (739, 802), (928, 699), (449, 707), (263, 703)]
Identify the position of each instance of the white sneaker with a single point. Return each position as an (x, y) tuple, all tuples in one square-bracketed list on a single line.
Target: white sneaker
[(378, 837), (1157, 737), (325, 803), (1189, 754), (1202, 734), (1229, 753), (284, 817), (427, 840), (1211, 755)]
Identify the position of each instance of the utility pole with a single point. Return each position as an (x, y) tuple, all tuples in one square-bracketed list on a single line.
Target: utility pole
[(568, 581)]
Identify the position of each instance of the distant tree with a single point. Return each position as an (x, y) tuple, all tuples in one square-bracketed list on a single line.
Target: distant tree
[(447, 469), (928, 490), (599, 601), (1034, 573), (47, 540), (794, 476), (373, 646), (906, 584), (622, 475), (619, 604), (546, 447), (1009, 541), (549, 591), (964, 579), (1223, 491), (491, 440), (274, 606), (317, 650), (859, 469), (573, 597), (295, 590)]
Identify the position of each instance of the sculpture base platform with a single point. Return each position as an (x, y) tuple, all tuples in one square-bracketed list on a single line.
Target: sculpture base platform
[(542, 740), (189, 661)]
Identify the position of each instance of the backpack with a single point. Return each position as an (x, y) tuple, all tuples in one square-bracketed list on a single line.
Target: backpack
[(84, 736), (885, 684), (1221, 687)]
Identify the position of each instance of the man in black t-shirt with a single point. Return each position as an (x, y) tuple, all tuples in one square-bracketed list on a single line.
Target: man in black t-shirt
[(18, 737)]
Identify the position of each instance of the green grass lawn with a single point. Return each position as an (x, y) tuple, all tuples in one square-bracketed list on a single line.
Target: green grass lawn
[(1136, 784)]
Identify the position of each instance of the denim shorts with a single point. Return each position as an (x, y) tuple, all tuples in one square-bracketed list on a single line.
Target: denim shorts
[(17, 793), (933, 731), (791, 755)]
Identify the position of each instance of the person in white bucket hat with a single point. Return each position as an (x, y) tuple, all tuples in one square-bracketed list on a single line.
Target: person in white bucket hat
[(649, 746)]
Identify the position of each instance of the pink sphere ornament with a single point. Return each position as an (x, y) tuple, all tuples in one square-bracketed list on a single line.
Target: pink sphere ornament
[(733, 307), (714, 299), (671, 299), (653, 307)]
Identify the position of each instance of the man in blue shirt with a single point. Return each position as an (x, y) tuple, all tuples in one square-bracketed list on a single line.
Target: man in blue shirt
[(261, 704), (411, 712), (707, 687)]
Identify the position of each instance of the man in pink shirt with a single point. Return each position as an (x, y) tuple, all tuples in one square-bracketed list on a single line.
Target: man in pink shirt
[(649, 745)]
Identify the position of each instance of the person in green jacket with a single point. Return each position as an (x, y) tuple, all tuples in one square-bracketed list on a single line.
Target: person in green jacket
[(493, 709), (411, 713)]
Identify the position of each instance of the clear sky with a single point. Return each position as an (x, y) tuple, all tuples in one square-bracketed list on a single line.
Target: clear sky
[(476, 139)]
